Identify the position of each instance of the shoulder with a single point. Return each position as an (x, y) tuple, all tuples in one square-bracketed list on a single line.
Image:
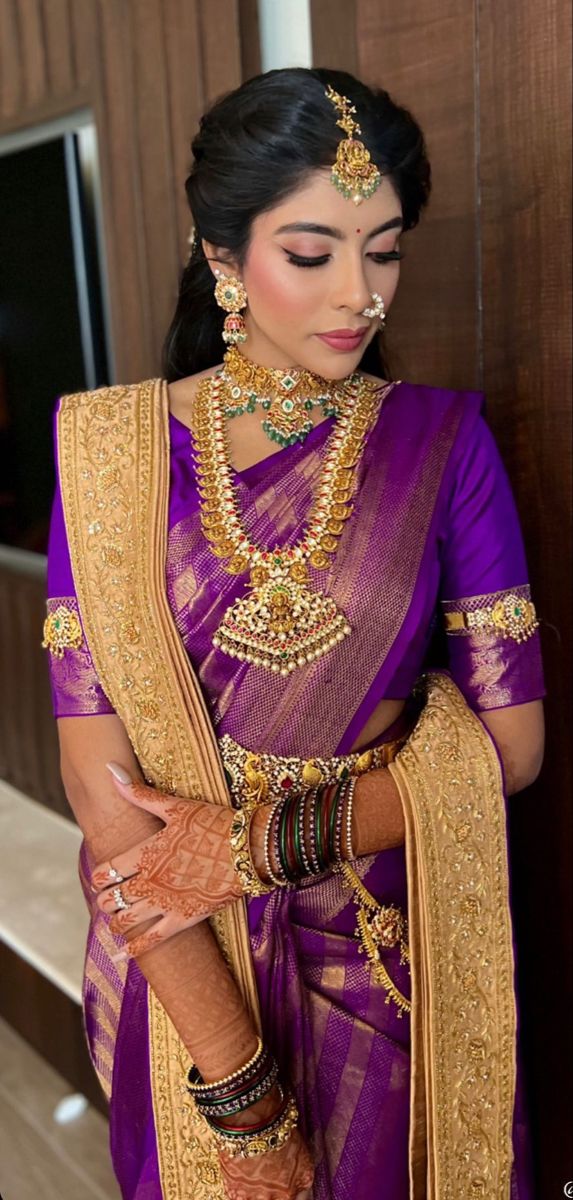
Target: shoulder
[(181, 393), (424, 413)]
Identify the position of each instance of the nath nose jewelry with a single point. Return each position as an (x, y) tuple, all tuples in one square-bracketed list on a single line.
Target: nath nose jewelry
[(376, 310)]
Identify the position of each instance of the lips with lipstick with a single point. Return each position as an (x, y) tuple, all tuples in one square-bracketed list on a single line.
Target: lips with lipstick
[(344, 339)]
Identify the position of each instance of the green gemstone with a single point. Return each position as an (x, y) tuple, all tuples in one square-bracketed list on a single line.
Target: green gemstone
[(251, 406), (287, 406), (288, 383), (308, 405), (266, 404), (57, 624), (517, 612)]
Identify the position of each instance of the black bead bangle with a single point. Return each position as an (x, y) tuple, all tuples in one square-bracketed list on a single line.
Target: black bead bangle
[(244, 1100), (296, 838), (337, 848), (314, 863), (277, 815), (302, 834), (318, 829)]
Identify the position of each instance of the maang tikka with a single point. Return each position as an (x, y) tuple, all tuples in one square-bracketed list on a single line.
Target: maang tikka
[(353, 173)]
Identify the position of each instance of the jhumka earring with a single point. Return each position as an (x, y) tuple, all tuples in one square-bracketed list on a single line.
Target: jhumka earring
[(353, 174), (230, 295), (376, 310)]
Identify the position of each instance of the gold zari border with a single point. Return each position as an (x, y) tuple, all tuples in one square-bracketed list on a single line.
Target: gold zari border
[(113, 448), (114, 471), (461, 953)]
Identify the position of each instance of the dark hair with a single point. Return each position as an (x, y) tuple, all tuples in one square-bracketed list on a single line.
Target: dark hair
[(255, 146)]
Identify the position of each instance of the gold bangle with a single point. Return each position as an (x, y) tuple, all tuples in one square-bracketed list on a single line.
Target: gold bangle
[(255, 1144), (243, 864), (216, 1083)]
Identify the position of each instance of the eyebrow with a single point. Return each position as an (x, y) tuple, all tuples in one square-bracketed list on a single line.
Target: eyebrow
[(329, 231)]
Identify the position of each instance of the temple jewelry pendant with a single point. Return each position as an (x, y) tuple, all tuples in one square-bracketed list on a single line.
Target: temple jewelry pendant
[(281, 624), (287, 422)]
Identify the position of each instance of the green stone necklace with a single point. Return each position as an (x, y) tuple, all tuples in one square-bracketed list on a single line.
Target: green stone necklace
[(286, 396)]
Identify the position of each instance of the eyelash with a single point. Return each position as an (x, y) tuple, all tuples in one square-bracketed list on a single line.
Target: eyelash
[(299, 261)]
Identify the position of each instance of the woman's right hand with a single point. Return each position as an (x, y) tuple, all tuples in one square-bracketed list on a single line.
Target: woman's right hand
[(284, 1174)]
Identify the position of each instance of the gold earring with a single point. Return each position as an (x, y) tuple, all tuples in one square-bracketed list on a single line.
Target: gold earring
[(230, 295)]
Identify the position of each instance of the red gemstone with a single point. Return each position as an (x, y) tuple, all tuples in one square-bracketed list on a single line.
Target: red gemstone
[(287, 783)]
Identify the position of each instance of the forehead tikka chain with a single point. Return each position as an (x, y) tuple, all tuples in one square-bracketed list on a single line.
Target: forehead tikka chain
[(281, 624)]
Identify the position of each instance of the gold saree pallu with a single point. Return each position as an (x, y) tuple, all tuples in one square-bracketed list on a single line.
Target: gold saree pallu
[(113, 447)]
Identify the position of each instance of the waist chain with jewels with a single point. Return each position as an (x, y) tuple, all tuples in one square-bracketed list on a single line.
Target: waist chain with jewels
[(265, 778)]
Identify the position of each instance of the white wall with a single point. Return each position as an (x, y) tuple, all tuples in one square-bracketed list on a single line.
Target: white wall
[(285, 33)]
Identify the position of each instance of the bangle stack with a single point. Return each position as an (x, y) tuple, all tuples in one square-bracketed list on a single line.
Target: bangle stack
[(230, 1096), (309, 833)]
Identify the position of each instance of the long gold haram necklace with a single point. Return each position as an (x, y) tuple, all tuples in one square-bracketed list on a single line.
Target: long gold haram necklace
[(281, 624)]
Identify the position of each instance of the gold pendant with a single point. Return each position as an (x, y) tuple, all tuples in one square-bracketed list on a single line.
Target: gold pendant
[(281, 624)]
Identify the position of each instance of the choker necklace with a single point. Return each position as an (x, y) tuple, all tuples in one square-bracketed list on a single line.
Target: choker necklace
[(281, 624), (287, 396)]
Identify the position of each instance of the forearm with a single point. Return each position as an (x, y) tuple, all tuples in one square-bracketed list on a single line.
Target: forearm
[(378, 815), (191, 979), (188, 972)]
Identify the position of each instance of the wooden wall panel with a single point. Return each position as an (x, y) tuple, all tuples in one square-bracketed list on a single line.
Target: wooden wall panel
[(147, 68), (58, 32), (485, 301), (423, 55), (525, 177), (32, 52)]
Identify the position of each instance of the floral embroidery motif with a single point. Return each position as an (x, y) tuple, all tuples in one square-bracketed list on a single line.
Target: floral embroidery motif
[(509, 613), (62, 630)]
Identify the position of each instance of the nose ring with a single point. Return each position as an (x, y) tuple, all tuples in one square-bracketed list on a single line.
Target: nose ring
[(377, 309)]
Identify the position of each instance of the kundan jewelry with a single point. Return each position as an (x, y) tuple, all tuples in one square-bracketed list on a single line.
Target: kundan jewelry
[(353, 173), (281, 624), (288, 396), (376, 310), (231, 295)]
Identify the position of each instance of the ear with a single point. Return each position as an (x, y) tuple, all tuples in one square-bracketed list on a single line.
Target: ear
[(218, 256)]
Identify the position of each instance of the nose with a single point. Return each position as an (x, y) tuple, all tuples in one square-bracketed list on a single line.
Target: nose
[(352, 289)]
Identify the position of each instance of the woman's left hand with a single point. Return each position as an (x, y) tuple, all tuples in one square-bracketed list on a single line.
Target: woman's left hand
[(180, 875)]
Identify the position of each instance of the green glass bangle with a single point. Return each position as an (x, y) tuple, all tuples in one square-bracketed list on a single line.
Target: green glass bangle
[(335, 801)]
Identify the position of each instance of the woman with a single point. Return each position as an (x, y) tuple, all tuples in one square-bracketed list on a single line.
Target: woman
[(249, 559)]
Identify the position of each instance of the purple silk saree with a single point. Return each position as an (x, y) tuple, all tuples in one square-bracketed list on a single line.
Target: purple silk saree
[(434, 530)]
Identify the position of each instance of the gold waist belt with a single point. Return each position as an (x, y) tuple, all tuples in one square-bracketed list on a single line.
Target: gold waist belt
[(266, 777)]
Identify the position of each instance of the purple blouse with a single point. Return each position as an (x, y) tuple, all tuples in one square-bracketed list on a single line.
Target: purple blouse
[(445, 506)]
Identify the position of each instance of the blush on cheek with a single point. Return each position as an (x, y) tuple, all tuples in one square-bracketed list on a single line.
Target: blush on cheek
[(278, 291)]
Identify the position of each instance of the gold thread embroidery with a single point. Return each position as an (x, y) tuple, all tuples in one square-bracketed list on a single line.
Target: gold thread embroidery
[(62, 629), (146, 673), (509, 613), (461, 947)]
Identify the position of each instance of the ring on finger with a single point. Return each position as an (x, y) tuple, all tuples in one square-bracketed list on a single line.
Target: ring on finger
[(114, 874), (119, 898)]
